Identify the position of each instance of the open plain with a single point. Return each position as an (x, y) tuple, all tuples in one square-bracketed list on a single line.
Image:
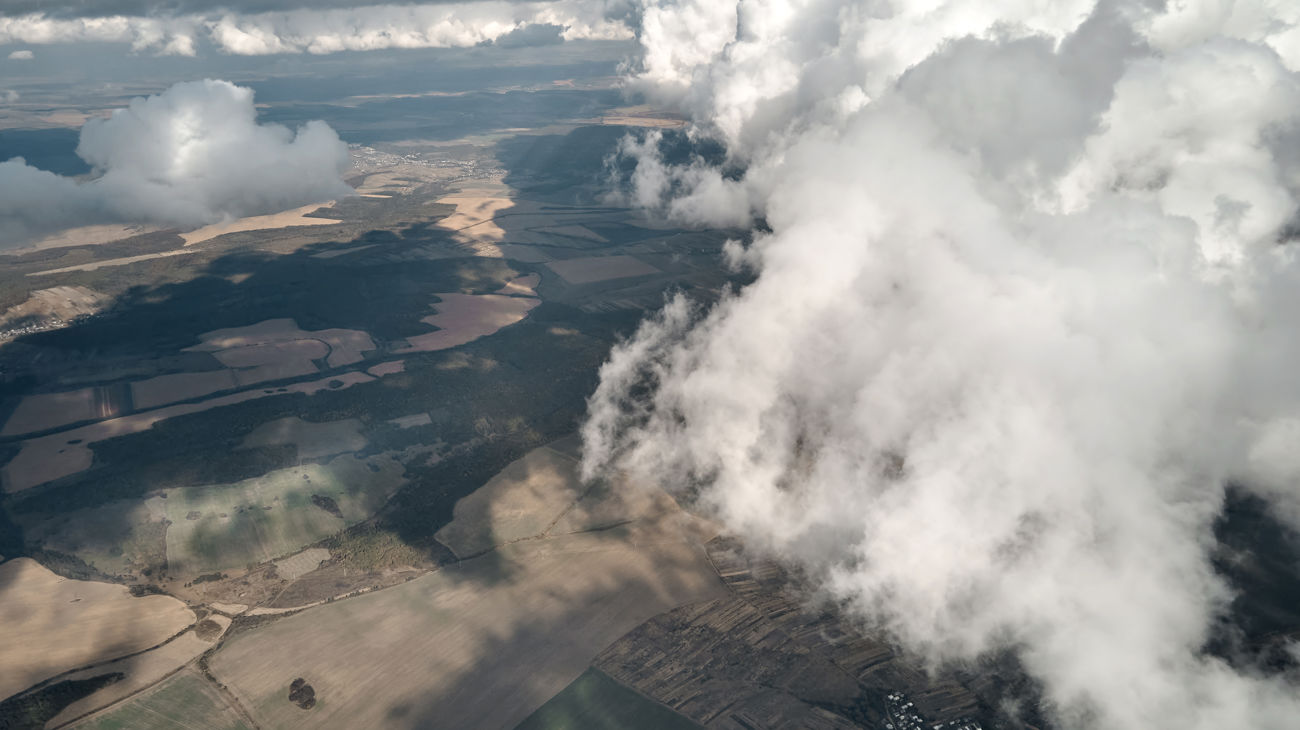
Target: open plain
[(49, 624)]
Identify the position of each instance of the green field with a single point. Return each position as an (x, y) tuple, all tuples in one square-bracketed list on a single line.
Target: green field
[(255, 520), (184, 701), (596, 702)]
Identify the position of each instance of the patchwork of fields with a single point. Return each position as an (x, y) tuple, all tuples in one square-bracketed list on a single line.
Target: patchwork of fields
[(481, 643), (49, 624), (311, 445)]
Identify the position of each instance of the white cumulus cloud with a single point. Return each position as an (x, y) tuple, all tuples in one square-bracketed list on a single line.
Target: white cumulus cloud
[(1025, 305), (375, 27), (192, 155)]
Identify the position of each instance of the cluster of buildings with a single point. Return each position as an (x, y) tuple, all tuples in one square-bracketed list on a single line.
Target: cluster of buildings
[(901, 714), (43, 325)]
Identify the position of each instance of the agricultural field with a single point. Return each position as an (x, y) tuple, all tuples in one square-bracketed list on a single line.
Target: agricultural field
[(49, 410), (525, 499), (45, 308), (482, 644), (201, 530), (601, 268), (333, 424), (462, 318), (309, 440), (115, 539), (142, 671), (49, 624), (163, 389), (183, 701), (288, 219), (45, 459), (483, 641), (89, 236), (231, 526), (596, 702)]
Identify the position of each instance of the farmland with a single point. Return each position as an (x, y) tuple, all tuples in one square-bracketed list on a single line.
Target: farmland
[(185, 700), (230, 526), (49, 624), (142, 671), (296, 427), (483, 643), (596, 702)]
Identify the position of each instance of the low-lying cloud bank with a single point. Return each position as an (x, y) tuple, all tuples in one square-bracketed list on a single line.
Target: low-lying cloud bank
[(303, 30), (189, 156), (1027, 302)]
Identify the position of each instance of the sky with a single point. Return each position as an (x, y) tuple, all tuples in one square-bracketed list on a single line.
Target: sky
[(1025, 292)]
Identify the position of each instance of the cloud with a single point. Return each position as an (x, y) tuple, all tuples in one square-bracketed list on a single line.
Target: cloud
[(141, 8), (1024, 306), (538, 34), (189, 156), (21, 56), (352, 28), (163, 35)]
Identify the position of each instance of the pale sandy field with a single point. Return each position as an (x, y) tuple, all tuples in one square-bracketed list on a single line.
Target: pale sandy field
[(281, 340), (50, 624), (286, 219), (464, 318), (479, 645), (635, 121), (296, 566), (142, 671), (392, 367), (600, 268), (522, 500), (61, 302), (93, 265), (87, 236), (642, 115), (273, 353), (473, 222), (523, 286)]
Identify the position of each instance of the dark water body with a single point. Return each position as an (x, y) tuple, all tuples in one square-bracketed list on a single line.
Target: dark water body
[(49, 149)]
